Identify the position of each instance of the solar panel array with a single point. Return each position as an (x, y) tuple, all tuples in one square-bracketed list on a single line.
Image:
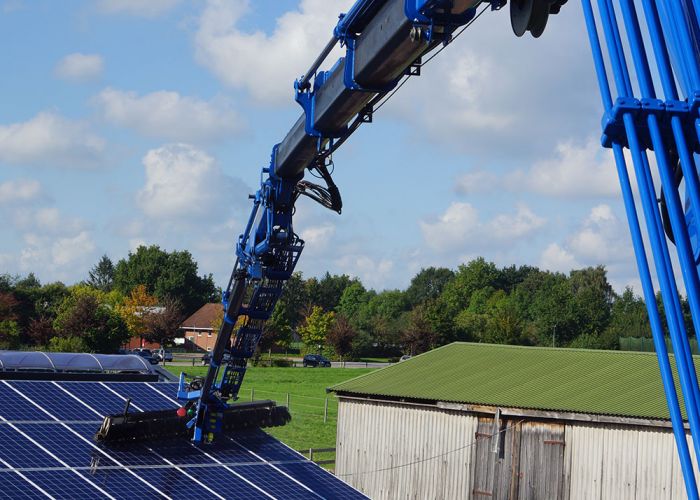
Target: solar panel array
[(47, 451)]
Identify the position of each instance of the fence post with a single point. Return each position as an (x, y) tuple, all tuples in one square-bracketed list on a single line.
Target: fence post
[(287, 400), (311, 454), (252, 393), (325, 411), (192, 360)]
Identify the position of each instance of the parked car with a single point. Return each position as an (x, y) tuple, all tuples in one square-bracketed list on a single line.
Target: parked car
[(163, 355), (316, 360), (206, 358), (146, 354), (404, 357)]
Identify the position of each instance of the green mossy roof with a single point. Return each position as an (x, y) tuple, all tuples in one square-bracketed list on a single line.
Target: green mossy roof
[(573, 380)]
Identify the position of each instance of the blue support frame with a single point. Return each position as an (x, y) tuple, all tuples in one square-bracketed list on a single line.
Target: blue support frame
[(669, 128)]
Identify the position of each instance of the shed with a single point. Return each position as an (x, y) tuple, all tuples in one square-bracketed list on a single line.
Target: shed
[(492, 421)]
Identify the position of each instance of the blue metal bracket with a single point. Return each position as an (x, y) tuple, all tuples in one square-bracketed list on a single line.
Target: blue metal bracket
[(307, 100), (614, 129), (349, 73), (426, 12)]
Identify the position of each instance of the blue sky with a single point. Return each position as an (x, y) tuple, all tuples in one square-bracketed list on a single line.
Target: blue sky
[(126, 122)]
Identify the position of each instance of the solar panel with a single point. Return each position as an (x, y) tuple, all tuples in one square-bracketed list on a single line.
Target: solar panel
[(47, 451)]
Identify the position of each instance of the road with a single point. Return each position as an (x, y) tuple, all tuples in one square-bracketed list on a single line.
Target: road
[(298, 363)]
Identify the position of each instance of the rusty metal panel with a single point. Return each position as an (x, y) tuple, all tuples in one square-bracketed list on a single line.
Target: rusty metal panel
[(397, 451)]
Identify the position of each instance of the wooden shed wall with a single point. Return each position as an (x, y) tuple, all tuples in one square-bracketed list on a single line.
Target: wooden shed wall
[(396, 451)]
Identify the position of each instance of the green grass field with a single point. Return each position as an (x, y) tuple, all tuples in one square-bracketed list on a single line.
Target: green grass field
[(307, 395)]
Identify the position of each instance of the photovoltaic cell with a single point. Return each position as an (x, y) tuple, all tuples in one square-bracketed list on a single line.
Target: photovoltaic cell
[(47, 449)]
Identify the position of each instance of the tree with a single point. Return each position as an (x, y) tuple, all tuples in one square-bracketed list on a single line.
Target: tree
[(277, 330), (165, 274), (294, 300), (84, 315), (135, 308), (101, 276), (505, 325), (316, 327), (628, 318), (352, 300), (341, 336), (40, 331), (428, 284), (9, 334), (419, 336), (327, 291), (469, 278), (8, 305), (593, 297), (162, 326)]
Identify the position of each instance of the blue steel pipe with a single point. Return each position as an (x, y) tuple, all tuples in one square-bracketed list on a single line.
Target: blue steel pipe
[(682, 43), (647, 89), (658, 43), (642, 264), (680, 342), (649, 205)]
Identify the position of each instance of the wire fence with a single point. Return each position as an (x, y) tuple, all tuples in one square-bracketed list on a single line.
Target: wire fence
[(300, 404)]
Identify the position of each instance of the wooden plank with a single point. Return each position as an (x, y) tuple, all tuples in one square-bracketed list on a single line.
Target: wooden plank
[(483, 459), (506, 471), (542, 461)]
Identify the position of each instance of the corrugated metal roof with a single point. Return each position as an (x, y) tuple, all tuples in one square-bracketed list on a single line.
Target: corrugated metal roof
[(574, 380)]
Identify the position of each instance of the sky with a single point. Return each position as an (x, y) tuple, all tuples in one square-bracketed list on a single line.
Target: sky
[(124, 122)]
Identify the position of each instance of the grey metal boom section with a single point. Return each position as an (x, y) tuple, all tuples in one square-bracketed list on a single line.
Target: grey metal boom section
[(384, 51)]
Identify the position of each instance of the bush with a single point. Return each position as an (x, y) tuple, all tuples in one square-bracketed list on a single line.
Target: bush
[(67, 344), (282, 363), (394, 360)]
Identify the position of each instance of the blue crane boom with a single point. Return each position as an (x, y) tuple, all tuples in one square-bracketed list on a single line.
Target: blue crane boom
[(385, 42)]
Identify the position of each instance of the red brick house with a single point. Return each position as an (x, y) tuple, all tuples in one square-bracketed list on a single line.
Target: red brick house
[(197, 329)]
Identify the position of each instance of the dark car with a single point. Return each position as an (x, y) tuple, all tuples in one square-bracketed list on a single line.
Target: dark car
[(163, 355), (206, 358), (316, 360), (147, 355)]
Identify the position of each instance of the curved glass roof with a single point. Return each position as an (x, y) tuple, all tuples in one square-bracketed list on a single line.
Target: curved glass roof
[(71, 362)]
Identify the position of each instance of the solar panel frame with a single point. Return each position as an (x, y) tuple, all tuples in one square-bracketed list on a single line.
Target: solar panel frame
[(47, 450)]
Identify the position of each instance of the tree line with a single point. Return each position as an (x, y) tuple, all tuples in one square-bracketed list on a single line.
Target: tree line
[(146, 295), (477, 302), (150, 292)]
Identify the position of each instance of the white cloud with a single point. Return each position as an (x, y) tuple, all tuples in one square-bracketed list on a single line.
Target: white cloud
[(50, 140), (56, 257), (476, 182), (460, 228), (67, 250), (575, 170), (555, 258), (601, 238), (140, 8), (80, 67), (265, 65), (374, 273), (21, 190), (500, 97), (318, 237), (169, 115), (183, 182)]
